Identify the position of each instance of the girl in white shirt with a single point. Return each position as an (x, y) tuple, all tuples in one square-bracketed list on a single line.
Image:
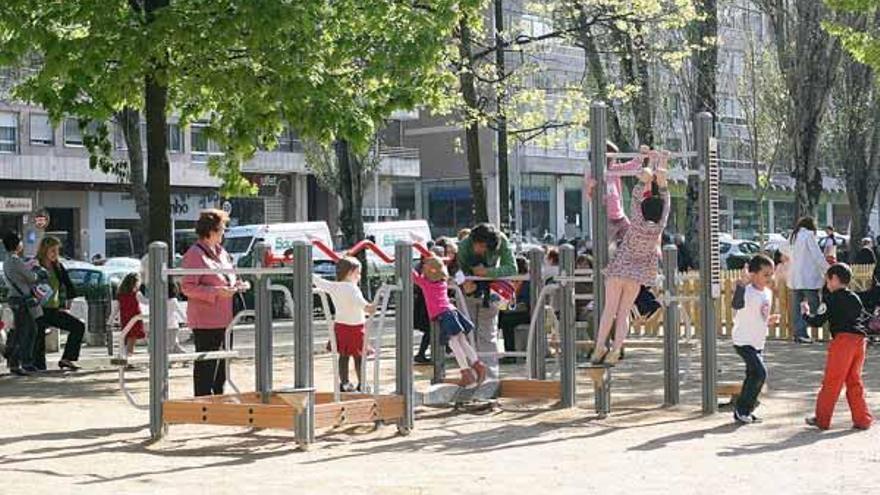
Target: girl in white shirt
[(176, 317), (806, 275), (351, 311)]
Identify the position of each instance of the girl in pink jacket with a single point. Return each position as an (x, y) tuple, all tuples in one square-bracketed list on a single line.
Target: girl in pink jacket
[(454, 325)]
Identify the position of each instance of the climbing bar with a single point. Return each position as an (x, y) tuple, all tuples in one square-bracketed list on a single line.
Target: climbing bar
[(677, 154)]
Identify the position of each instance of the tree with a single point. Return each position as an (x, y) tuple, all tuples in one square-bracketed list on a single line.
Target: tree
[(763, 98), (853, 138), (808, 60), (333, 70)]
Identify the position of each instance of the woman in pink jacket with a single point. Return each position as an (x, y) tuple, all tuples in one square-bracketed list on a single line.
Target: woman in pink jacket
[(209, 307)]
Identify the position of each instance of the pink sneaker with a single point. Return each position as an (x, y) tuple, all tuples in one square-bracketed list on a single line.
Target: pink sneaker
[(481, 371), (468, 379)]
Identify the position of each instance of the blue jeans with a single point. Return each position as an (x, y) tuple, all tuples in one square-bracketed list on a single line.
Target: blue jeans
[(756, 375), (20, 350), (798, 295)]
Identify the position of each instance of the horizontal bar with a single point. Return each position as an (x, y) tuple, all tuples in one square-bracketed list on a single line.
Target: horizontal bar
[(513, 278), (182, 272), (635, 173), (677, 154), (176, 358)]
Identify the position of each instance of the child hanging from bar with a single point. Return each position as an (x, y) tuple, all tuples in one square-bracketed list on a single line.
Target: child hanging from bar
[(618, 223), (350, 318), (455, 326), (635, 262)]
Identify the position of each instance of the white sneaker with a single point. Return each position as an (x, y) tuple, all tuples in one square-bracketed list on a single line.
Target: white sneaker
[(613, 357), (598, 355)]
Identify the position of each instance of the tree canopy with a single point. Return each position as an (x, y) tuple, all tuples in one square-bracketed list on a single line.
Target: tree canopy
[(330, 70)]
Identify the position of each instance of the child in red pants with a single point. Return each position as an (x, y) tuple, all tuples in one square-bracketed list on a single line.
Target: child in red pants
[(846, 353)]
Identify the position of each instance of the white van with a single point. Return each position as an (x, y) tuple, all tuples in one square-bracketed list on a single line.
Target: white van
[(239, 241), (388, 233)]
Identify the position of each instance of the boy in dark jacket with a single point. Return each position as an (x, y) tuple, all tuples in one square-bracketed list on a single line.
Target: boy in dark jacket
[(846, 353)]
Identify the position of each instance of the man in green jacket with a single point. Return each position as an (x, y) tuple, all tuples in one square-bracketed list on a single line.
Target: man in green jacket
[(485, 253)]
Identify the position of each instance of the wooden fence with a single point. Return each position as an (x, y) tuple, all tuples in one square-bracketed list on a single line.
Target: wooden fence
[(689, 285)]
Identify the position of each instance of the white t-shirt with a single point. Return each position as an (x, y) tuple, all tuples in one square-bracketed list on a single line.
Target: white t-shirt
[(347, 298), (175, 313), (750, 322)]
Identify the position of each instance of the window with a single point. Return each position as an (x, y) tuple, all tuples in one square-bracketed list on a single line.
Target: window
[(202, 147), (175, 138), (42, 132), (119, 138), (8, 132), (288, 141), (73, 135)]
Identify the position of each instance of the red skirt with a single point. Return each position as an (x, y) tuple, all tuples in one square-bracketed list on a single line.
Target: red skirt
[(349, 339)]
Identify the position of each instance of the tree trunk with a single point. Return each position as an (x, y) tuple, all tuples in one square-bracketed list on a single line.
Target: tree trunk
[(130, 121), (472, 127), (705, 65), (351, 194), (158, 169), (806, 52), (635, 73), (503, 158), (597, 71)]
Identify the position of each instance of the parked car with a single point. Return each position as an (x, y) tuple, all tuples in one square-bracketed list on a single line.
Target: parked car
[(735, 253)]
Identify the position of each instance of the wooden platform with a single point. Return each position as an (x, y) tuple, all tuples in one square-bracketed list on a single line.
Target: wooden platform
[(356, 409), (281, 411), (530, 389)]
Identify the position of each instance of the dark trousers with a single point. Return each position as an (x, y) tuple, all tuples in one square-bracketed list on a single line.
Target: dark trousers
[(209, 376), (756, 375), (61, 320), (20, 345)]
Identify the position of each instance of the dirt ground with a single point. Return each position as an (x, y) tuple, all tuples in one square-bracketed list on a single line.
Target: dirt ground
[(74, 433)]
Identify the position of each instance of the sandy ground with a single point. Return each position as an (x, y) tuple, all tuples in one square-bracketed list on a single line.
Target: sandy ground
[(74, 433)]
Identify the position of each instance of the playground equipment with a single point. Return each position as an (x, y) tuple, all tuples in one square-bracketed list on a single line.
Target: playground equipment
[(708, 172), (535, 385), (299, 408)]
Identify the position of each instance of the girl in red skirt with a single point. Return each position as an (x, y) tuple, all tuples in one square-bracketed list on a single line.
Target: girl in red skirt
[(130, 300), (351, 311)]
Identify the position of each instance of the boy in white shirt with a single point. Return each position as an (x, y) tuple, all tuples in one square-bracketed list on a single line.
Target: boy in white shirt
[(752, 302)]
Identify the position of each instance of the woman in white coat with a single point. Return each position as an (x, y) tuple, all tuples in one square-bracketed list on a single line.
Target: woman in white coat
[(807, 274)]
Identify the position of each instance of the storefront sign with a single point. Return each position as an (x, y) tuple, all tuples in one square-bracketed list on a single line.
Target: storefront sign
[(382, 212), (16, 205)]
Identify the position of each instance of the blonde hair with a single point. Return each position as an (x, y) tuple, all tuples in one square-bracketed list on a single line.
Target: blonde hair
[(434, 269), (345, 266), (46, 245)]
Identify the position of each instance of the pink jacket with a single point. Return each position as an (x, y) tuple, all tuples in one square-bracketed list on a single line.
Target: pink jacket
[(205, 309), (436, 295), (614, 188)]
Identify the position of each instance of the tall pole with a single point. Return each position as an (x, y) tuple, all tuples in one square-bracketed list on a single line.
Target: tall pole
[(404, 372), (500, 94), (567, 328), (538, 358), (158, 294), (598, 139), (710, 265), (262, 326), (303, 373), (670, 327)]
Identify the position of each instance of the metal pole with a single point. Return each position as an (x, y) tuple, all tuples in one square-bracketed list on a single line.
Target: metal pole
[(598, 140), (262, 325), (567, 328), (303, 373), (404, 376), (710, 267), (438, 353), (158, 294), (670, 328), (538, 370)]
